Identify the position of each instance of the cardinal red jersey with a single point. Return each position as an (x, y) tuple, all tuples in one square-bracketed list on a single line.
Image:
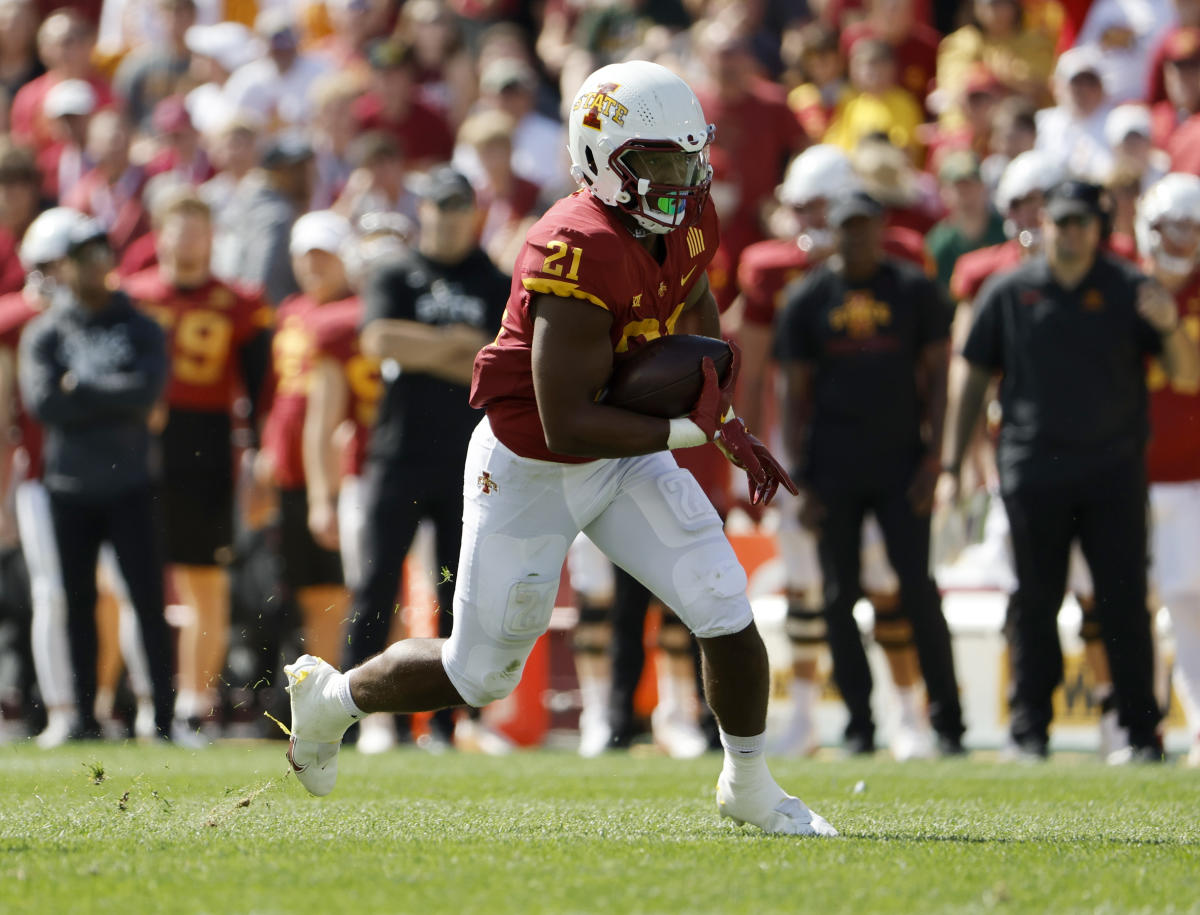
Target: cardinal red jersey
[(767, 267), (580, 249), (292, 351), (205, 327), (335, 332), (15, 313), (1173, 455), (972, 270)]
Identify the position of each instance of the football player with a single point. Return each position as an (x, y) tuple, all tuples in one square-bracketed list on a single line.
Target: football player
[(605, 270), (218, 339), (816, 176), (1168, 234)]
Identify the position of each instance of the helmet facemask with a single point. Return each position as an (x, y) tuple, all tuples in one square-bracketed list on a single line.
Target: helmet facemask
[(663, 186)]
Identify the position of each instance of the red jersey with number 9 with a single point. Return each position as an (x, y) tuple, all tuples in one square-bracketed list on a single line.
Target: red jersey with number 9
[(335, 332), (1173, 455), (580, 249), (205, 327)]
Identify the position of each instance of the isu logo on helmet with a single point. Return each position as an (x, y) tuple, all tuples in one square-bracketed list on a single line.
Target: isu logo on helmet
[(600, 104)]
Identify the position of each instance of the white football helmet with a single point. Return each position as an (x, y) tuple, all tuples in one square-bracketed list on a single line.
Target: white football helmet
[(1030, 171), (50, 237), (1170, 208), (638, 140), (821, 171)]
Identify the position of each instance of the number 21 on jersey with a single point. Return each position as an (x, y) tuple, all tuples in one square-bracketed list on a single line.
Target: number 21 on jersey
[(558, 251)]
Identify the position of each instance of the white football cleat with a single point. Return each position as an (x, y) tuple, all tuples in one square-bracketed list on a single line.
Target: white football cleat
[(376, 734), (58, 730), (318, 723), (472, 736), (594, 732), (771, 809)]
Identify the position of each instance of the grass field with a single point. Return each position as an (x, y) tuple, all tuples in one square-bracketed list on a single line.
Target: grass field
[(106, 828)]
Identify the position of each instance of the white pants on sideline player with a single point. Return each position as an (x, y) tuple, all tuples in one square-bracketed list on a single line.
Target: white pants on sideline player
[(519, 519), (51, 654), (590, 572), (351, 519), (1175, 576)]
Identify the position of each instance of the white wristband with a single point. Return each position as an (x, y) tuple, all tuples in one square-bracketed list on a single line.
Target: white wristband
[(685, 434)]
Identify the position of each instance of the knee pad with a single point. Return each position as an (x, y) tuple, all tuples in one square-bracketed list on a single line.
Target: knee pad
[(710, 587), (673, 635), (892, 628)]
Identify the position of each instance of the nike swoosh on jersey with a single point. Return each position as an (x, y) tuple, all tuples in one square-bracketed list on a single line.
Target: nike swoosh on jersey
[(684, 278)]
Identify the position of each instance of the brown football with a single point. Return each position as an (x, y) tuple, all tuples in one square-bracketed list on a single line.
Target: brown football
[(664, 377)]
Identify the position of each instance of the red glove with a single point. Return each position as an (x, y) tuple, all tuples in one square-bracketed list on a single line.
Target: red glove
[(764, 473), (715, 398)]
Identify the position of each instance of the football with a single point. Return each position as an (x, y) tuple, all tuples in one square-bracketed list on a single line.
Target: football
[(664, 377)]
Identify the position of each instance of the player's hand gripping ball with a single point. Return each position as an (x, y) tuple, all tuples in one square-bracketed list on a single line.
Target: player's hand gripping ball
[(664, 378)]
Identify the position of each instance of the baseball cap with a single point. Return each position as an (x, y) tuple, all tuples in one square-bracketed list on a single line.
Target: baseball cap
[(320, 230), (852, 205), (277, 27), (960, 165), (1124, 120), (86, 232), (507, 73), (1077, 61), (230, 44), (71, 96), (1182, 44), (284, 150), (443, 185), (1074, 198)]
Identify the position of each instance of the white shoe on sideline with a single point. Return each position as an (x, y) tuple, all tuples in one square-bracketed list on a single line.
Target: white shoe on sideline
[(57, 732), (473, 736), (144, 727), (1192, 761), (318, 724), (376, 734), (1113, 738), (594, 733), (771, 809), (680, 738)]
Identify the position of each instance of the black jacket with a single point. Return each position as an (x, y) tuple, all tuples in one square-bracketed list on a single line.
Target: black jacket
[(97, 439)]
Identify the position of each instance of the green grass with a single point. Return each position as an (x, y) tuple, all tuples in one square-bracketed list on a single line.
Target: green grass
[(225, 831)]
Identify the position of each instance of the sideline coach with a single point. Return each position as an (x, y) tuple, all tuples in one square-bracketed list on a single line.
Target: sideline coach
[(1070, 332)]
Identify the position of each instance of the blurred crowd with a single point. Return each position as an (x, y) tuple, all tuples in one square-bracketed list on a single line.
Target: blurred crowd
[(956, 117)]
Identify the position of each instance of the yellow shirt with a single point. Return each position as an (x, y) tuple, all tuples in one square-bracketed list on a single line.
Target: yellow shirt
[(894, 112)]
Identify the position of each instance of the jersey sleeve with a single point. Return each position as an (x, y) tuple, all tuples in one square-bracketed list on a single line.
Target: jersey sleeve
[(573, 263), (985, 340)]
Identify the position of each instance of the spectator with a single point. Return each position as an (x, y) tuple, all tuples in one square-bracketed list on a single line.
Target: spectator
[(392, 104), (446, 71), (112, 191), (1020, 59), (507, 202), (509, 85), (1126, 35), (1069, 331), (218, 342), (253, 248), (970, 222), (233, 148), (862, 347), (970, 126), (823, 84), (153, 71), (333, 132), (914, 42), (379, 180), (19, 63), (20, 201), (876, 105), (356, 24), (65, 42), (1128, 129), (1014, 131), (68, 109), (887, 174), (91, 370), (180, 150), (217, 52), (1072, 133), (277, 87)]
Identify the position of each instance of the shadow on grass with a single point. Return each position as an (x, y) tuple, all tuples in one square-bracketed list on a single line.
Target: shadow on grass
[(1028, 840)]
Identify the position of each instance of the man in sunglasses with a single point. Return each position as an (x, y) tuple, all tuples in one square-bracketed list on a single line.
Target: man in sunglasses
[(1070, 331)]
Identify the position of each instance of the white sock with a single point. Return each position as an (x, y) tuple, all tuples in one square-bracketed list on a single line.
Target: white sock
[(744, 760), (593, 696), (187, 704), (339, 687), (908, 699)]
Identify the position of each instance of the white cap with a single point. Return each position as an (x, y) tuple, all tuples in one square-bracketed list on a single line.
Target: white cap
[(322, 230), (821, 171), (71, 96), (50, 236), (1073, 62), (230, 44), (1124, 120)]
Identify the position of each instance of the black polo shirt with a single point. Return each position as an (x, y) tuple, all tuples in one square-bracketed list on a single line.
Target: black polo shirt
[(865, 340), (1073, 391), (424, 419)]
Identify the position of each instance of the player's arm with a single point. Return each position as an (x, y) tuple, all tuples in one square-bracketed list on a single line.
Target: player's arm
[(572, 361), (254, 359), (328, 396), (445, 351)]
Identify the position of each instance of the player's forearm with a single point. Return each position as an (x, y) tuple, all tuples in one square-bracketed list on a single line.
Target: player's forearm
[(935, 368), (964, 408), (418, 347), (599, 431)]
